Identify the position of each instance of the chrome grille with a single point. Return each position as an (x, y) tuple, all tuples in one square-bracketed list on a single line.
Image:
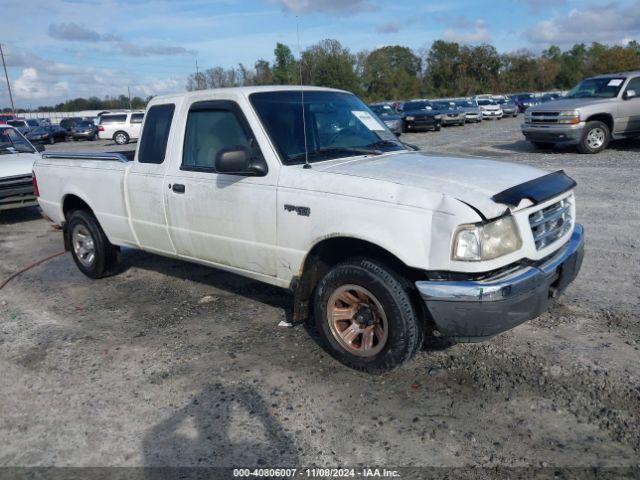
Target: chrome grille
[(16, 190), (544, 117), (551, 223)]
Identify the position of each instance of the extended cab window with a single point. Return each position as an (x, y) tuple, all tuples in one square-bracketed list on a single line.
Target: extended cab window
[(213, 127), (137, 117), (634, 84), (155, 134)]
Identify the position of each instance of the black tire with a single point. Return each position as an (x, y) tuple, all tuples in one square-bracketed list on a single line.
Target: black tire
[(405, 129), (94, 137), (437, 128), (542, 145), (121, 138), (106, 256), (586, 145), (52, 140), (405, 327)]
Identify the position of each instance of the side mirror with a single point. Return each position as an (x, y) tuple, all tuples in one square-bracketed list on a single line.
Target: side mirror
[(237, 161), (39, 148), (630, 94)]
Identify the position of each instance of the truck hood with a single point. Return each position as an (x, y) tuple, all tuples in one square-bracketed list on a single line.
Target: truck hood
[(14, 164), (569, 104), (470, 180)]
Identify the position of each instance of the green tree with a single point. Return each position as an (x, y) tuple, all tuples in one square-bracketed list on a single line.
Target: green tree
[(329, 64), (284, 67), (391, 73)]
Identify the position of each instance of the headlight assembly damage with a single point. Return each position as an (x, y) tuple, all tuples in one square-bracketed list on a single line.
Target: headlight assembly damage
[(486, 241)]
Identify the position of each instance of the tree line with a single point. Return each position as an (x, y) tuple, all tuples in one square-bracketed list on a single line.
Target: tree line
[(92, 103), (443, 69), (398, 72)]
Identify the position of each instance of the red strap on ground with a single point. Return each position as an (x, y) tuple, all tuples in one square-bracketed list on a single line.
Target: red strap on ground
[(33, 265)]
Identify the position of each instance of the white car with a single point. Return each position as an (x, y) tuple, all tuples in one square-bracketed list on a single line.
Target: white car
[(489, 108), (17, 157), (120, 127), (380, 244)]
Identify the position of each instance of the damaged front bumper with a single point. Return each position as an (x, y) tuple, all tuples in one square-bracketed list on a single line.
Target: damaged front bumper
[(469, 311)]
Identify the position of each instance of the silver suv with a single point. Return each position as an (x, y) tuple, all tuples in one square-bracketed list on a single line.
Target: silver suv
[(597, 110)]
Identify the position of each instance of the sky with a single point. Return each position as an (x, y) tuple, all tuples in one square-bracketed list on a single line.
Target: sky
[(61, 49)]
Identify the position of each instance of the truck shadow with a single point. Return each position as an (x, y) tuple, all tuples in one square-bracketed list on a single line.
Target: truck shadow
[(222, 426), (213, 277), (11, 217)]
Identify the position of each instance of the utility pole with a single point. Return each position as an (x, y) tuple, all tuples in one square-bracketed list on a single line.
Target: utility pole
[(6, 76), (129, 92)]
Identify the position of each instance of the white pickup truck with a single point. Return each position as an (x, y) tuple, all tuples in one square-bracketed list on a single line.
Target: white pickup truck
[(380, 244)]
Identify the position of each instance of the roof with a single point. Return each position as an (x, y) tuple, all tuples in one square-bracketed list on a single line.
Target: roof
[(617, 74), (246, 91)]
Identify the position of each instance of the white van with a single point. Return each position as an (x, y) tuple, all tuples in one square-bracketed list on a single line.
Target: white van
[(120, 127)]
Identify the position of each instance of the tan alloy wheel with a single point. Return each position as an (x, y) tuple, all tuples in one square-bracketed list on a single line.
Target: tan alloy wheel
[(357, 320)]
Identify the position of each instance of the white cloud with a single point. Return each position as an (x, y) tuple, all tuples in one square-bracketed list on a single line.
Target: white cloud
[(468, 32), (324, 6), (609, 23), (72, 32)]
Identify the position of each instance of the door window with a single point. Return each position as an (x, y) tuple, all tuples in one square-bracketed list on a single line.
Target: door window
[(634, 84), (153, 142), (212, 130), (137, 117)]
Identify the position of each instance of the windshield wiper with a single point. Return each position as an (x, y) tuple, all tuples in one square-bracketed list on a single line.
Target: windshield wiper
[(320, 152), (385, 143)]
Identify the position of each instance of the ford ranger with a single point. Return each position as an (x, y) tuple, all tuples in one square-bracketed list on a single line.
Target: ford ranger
[(596, 111), (306, 189)]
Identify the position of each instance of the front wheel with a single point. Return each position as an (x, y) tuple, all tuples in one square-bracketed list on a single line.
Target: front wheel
[(366, 317), (404, 128), (437, 128), (595, 137), (92, 252)]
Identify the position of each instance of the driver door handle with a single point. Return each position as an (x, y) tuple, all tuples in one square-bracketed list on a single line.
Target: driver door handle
[(178, 188)]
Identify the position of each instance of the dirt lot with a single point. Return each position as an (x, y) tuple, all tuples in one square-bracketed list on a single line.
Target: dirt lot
[(174, 364)]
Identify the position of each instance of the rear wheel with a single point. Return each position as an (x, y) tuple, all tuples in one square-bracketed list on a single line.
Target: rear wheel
[(121, 138), (595, 137), (92, 252), (365, 316)]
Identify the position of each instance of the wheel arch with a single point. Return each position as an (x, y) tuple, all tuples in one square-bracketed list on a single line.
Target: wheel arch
[(70, 203), (605, 118), (332, 250)]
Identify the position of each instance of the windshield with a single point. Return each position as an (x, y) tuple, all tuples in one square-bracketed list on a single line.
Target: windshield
[(409, 106), (16, 123), (382, 110), (442, 106), (466, 103), (32, 123), (607, 87), (84, 124), (11, 141), (486, 101), (337, 125)]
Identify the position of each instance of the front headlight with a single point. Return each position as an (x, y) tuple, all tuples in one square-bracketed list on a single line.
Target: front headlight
[(569, 116), (410, 118), (437, 117), (474, 243)]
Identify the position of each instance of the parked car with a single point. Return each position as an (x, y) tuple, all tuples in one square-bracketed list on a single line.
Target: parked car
[(5, 117), (525, 100), (17, 156), (33, 123), (548, 97), (596, 111), (508, 106), (419, 114), (47, 134), (470, 108), (21, 125), (451, 114), (389, 116), (383, 244), (68, 124), (489, 108), (120, 127), (84, 130)]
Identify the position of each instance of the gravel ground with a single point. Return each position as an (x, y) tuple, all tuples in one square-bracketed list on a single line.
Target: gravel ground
[(173, 364)]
